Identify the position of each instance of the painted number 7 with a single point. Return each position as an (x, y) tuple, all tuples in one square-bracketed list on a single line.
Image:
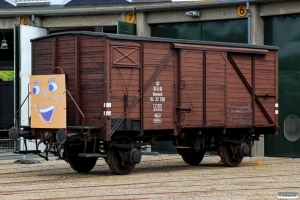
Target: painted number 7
[(130, 18)]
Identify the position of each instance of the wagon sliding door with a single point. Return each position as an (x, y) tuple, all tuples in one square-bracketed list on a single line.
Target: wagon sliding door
[(202, 88), (191, 88), (221, 88), (133, 93), (125, 86)]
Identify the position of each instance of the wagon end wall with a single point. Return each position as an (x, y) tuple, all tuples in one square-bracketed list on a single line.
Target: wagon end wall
[(81, 59)]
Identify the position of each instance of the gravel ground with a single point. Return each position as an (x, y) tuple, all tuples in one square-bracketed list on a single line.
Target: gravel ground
[(156, 177)]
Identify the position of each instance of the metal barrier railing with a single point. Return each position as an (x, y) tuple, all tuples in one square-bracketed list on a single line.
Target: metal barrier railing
[(9, 147)]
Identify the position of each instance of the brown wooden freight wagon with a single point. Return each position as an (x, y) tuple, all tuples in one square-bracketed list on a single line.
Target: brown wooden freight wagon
[(128, 91)]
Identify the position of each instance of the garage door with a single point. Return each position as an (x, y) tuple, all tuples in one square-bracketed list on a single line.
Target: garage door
[(284, 31)]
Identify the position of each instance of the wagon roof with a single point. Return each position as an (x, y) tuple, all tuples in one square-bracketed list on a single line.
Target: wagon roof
[(156, 39)]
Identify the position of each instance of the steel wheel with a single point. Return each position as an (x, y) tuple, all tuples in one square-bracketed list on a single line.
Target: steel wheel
[(227, 156), (82, 165), (79, 164), (114, 161), (193, 158)]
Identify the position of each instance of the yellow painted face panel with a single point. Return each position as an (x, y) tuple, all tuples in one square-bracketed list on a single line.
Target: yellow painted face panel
[(48, 101)]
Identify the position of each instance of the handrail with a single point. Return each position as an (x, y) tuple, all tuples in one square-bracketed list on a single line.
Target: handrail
[(62, 71), (78, 109), (19, 110)]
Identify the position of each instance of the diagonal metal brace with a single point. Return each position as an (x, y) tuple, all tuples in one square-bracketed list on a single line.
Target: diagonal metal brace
[(250, 90), (139, 95)]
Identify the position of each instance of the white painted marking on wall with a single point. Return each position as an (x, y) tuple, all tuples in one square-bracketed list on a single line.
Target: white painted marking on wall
[(157, 120), (157, 94), (157, 107), (107, 113), (163, 99), (157, 88), (107, 105), (239, 113), (276, 105), (157, 115), (157, 97), (276, 112)]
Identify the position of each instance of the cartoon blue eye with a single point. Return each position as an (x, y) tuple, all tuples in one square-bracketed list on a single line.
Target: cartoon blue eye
[(53, 87), (36, 90)]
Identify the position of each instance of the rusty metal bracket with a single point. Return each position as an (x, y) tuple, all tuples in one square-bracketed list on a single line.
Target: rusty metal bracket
[(58, 68), (185, 109), (37, 149)]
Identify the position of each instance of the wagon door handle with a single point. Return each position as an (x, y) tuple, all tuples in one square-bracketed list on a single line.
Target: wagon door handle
[(182, 84)]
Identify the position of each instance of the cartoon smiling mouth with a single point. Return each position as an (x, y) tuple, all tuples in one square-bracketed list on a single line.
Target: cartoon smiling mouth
[(47, 112)]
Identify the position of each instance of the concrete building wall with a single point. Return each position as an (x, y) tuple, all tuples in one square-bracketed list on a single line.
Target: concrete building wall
[(279, 8), (142, 26), (82, 21), (257, 26), (179, 16), (8, 22), (157, 17)]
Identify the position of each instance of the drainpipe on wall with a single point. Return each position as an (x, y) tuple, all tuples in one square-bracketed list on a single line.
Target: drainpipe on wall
[(249, 22), (32, 20)]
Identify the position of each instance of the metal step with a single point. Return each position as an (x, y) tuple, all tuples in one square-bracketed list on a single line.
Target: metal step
[(92, 155), (182, 147), (70, 135), (151, 153), (27, 152), (85, 127)]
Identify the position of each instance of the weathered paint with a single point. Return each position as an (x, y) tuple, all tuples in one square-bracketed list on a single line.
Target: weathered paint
[(82, 21), (162, 85)]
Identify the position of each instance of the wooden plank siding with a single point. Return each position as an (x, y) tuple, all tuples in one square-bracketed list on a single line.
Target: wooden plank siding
[(162, 85), (265, 86), (91, 72), (125, 64), (159, 102), (191, 80), (238, 98), (215, 70)]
